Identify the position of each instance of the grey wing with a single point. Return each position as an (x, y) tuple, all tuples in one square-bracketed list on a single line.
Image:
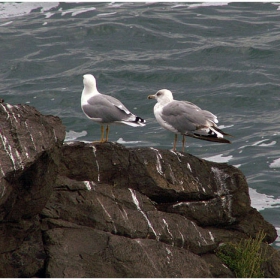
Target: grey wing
[(208, 115), (117, 103), (105, 107), (185, 116)]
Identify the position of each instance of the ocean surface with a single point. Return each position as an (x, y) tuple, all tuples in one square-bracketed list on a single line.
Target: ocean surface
[(224, 57)]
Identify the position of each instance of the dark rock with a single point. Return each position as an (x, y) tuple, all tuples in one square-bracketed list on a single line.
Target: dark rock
[(271, 266), (29, 154), (253, 222), (217, 268), (22, 250), (87, 252), (125, 212), (102, 210)]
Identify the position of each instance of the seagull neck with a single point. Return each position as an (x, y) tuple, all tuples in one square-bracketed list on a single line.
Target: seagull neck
[(87, 94), (89, 91), (165, 101)]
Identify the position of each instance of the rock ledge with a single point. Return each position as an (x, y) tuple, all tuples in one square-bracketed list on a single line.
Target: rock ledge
[(103, 210)]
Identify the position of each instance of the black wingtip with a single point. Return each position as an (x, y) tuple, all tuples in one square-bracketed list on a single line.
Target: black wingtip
[(139, 120), (211, 138), (222, 132)]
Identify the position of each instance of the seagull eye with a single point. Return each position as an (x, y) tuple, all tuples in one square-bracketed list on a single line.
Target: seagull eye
[(158, 93)]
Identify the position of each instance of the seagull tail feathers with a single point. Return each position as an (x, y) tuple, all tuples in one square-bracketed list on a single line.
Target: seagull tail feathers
[(140, 121), (136, 121), (222, 132), (211, 138), (214, 135)]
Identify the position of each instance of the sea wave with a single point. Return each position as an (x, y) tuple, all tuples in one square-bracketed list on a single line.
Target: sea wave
[(10, 10)]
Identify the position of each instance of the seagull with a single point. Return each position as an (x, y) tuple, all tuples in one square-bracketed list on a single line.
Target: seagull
[(105, 109), (183, 117)]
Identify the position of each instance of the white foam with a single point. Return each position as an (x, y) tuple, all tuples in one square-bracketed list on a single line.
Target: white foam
[(121, 141), (77, 11), (219, 158), (106, 14), (10, 9), (277, 241), (272, 143), (6, 23), (275, 163), (262, 201), (73, 135), (115, 5), (207, 4), (259, 143), (277, 4), (198, 5), (48, 14)]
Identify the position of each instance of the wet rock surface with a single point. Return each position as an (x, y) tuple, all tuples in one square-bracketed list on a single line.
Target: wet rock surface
[(103, 210)]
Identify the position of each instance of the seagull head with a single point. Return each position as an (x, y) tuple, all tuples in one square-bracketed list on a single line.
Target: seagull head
[(89, 82), (163, 96)]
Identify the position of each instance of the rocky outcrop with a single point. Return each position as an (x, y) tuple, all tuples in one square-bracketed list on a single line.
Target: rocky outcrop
[(103, 210)]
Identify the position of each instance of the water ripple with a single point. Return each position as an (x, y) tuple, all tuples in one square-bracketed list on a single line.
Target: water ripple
[(221, 56)]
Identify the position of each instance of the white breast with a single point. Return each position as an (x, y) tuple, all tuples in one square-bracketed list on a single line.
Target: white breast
[(158, 113)]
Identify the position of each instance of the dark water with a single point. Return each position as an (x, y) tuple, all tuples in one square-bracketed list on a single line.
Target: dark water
[(223, 57)]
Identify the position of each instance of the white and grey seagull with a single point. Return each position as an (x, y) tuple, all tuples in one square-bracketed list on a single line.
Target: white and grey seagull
[(183, 117), (105, 109)]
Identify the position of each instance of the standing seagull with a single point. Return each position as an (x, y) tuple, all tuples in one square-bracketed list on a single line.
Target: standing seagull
[(105, 109), (183, 117)]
